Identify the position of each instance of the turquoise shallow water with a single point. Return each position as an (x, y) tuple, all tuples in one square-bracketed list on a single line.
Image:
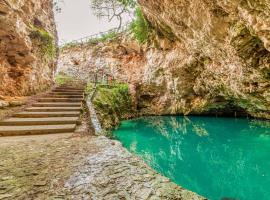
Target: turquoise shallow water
[(218, 158)]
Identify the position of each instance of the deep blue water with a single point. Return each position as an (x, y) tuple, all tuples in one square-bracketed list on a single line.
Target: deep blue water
[(214, 157)]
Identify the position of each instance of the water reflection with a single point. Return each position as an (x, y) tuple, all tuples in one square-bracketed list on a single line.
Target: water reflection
[(215, 157), (178, 126)]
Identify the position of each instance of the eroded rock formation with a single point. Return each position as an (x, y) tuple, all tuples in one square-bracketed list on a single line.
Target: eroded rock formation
[(27, 46), (206, 57)]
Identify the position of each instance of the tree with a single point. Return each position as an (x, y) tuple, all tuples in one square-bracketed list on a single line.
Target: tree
[(112, 9), (57, 5)]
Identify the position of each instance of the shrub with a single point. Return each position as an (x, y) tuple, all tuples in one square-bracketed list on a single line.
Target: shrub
[(110, 36), (69, 45), (140, 27), (113, 104)]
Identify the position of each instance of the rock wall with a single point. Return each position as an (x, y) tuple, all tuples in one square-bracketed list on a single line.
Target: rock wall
[(27, 46), (223, 52), (207, 57)]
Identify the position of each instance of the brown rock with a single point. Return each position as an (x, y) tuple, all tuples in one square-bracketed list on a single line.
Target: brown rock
[(16, 103), (25, 65), (3, 104)]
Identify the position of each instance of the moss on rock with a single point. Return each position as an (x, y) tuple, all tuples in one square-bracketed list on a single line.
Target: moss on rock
[(112, 104), (45, 40)]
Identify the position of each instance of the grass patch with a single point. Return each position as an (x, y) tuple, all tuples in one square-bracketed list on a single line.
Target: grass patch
[(110, 36), (61, 79)]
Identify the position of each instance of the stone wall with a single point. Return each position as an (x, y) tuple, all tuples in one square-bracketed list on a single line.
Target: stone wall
[(27, 46)]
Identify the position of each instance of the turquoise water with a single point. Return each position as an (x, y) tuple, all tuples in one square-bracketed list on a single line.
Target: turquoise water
[(218, 158)]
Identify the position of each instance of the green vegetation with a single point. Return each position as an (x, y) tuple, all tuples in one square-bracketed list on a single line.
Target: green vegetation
[(109, 36), (140, 27), (113, 9), (45, 40), (61, 79), (128, 3), (112, 104), (266, 74), (89, 88), (69, 45), (112, 35)]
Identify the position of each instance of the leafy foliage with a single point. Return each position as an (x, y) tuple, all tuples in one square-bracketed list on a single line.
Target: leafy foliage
[(128, 3), (109, 36), (57, 5), (89, 88), (140, 27), (112, 104), (113, 9)]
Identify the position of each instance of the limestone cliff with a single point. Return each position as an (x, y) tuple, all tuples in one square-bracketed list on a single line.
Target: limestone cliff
[(27, 46), (206, 57)]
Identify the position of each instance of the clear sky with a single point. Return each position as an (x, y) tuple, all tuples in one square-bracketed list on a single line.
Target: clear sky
[(76, 20)]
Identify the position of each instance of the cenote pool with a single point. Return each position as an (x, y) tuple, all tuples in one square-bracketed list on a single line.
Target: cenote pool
[(217, 158)]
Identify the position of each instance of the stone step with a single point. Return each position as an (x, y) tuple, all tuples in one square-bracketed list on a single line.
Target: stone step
[(57, 104), (52, 109), (39, 121), (47, 114), (34, 130), (69, 88), (60, 99), (66, 90), (63, 96)]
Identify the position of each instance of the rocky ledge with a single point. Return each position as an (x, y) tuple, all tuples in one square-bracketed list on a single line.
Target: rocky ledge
[(114, 173)]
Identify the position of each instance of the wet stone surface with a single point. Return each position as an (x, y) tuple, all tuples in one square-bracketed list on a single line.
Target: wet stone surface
[(37, 168), (113, 173), (78, 166)]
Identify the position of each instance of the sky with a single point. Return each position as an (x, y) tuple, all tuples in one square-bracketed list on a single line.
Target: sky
[(76, 20)]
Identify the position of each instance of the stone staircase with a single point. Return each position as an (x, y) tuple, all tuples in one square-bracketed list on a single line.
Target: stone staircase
[(56, 112)]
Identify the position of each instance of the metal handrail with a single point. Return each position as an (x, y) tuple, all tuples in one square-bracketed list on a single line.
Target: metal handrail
[(97, 35)]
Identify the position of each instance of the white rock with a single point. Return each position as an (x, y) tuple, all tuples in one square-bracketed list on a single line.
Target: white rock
[(3, 104)]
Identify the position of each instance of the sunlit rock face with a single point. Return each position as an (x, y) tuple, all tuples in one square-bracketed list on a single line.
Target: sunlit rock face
[(27, 46), (208, 57)]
